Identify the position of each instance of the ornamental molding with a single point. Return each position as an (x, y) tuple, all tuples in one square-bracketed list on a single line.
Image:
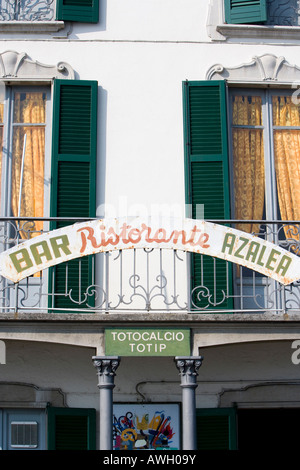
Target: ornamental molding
[(18, 66), (31, 27), (106, 370), (106, 366), (188, 366), (266, 68)]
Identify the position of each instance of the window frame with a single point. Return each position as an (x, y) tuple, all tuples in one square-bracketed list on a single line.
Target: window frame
[(6, 176), (61, 14), (266, 94)]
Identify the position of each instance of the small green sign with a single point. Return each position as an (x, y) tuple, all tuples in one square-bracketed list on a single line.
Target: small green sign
[(147, 341)]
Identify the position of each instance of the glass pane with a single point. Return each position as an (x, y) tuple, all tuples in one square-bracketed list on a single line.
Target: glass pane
[(248, 160), (287, 167), (285, 112), (246, 110), (1, 112), (29, 108), (249, 176), (31, 182), (1, 144), (283, 13), (28, 151)]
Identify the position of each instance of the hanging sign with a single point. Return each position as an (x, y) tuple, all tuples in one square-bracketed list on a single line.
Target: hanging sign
[(197, 236), (147, 342)]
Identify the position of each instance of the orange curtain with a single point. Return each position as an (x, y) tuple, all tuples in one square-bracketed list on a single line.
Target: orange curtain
[(248, 161), (1, 143), (287, 160), (29, 110)]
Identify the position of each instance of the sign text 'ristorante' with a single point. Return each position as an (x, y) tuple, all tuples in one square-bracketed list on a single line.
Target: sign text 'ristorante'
[(197, 236)]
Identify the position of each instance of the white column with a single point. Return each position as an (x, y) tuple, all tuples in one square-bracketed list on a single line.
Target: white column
[(106, 371)]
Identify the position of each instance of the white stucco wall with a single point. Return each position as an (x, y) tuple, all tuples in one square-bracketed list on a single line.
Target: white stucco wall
[(140, 53)]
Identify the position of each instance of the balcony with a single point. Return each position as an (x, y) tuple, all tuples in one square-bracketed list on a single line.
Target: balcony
[(149, 280), (28, 16)]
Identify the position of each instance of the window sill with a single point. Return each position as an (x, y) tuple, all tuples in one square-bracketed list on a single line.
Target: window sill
[(30, 27), (259, 31)]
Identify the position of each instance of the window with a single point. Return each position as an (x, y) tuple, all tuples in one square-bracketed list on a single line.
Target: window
[(24, 174), (23, 429), (51, 173), (255, 19), (265, 142), (45, 15), (244, 168), (268, 12), (48, 169), (27, 10)]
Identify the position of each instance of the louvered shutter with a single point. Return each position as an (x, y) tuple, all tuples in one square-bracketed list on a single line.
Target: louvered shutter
[(73, 182), (245, 11), (86, 11), (216, 429), (207, 183), (71, 428)]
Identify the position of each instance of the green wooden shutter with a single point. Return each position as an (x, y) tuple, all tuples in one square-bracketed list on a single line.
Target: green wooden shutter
[(207, 182), (85, 11), (245, 11), (73, 181), (71, 428), (216, 429)]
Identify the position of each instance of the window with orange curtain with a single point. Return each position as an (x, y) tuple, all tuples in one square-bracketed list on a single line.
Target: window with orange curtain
[(1, 142), (265, 143), (28, 162), (286, 124), (248, 160)]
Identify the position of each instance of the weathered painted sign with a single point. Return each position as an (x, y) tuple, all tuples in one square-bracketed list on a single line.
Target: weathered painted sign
[(147, 341), (191, 235)]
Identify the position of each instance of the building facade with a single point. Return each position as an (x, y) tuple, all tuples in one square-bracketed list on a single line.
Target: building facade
[(125, 126)]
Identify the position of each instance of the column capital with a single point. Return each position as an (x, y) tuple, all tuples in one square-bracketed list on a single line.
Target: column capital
[(188, 367), (106, 369)]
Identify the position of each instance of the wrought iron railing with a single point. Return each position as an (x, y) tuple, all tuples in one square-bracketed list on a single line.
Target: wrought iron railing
[(150, 280), (27, 10), (283, 12)]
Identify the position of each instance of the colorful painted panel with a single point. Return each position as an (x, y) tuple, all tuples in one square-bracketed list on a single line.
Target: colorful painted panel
[(146, 426)]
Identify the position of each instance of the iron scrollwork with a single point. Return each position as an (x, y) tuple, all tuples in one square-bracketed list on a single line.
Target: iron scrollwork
[(27, 10)]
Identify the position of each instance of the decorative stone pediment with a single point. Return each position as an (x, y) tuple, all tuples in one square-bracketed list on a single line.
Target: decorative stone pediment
[(17, 66), (267, 68)]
